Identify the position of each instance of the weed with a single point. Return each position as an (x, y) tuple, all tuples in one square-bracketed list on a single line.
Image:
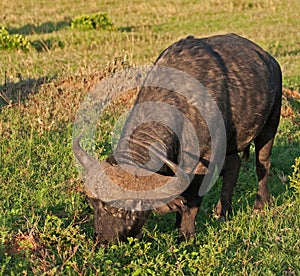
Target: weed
[(95, 21), (13, 42), (295, 177)]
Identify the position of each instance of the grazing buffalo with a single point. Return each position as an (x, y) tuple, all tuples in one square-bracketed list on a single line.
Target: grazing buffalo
[(174, 132)]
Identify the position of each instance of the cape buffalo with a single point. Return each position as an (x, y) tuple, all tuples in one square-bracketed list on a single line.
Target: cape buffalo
[(172, 123)]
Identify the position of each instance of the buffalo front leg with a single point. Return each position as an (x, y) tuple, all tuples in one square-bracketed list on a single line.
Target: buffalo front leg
[(186, 219), (230, 174), (185, 222)]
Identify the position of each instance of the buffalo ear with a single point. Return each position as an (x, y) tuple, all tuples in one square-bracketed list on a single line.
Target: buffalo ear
[(95, 202), (111, 160)]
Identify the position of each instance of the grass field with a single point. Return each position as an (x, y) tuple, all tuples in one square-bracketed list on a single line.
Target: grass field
[(46, 224)]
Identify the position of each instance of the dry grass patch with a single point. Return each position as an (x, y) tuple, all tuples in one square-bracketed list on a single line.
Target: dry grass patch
[(290, 102)]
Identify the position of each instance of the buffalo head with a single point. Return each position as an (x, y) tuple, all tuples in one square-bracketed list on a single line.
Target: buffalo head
[(123, 195)]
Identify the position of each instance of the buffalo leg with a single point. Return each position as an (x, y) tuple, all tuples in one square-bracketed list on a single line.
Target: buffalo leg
[(178, 220), (263, 155), (185, 222), (186, 219), (263, 148), (230, 174)]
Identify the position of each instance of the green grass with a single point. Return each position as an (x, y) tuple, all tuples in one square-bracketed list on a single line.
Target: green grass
[(46, 224)]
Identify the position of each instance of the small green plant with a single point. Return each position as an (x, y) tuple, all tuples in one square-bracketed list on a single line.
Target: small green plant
[(295, 177), (93, 21), (12, 42), (57, 233)]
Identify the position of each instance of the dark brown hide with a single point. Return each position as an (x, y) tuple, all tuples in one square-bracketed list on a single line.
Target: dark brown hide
[(245, 82)]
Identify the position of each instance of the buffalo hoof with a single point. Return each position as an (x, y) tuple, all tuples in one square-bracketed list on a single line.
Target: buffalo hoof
[(186, 238), (220, 218)]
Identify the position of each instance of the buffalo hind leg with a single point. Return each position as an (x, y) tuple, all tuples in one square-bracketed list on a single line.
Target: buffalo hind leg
[(263, 149), (230, 175)]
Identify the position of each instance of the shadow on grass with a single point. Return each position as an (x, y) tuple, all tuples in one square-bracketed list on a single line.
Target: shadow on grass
[(47, 44), (129, 29), (12, 93), (44, 28)]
